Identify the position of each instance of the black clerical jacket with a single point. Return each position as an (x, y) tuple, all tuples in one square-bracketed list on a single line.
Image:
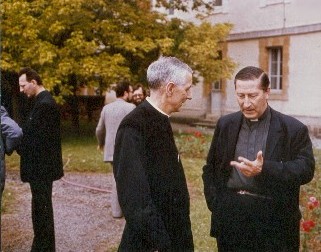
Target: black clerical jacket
[(288, 164), (41, 156), (151, 184)]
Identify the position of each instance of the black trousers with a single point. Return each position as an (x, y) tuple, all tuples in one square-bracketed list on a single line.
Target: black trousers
[(42, 217), (251, 224)]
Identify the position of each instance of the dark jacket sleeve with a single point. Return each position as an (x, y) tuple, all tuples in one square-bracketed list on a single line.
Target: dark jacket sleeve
[(209, 178), (10, 132), (134, 192), (296, 163)]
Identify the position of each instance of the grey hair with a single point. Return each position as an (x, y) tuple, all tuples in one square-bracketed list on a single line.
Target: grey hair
[(165, 70)]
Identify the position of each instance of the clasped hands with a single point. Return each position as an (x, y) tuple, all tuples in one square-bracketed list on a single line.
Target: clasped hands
[(249, 168)]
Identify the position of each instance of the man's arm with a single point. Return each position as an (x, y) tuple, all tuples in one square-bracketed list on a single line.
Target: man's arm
[(298, 168), (10, 132), (134, 192), (209, 171), (101, 131)]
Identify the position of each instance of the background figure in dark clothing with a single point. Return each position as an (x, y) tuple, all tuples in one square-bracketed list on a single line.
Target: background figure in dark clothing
[(150, 179), (257, 162), (41, 157), (11, 135)]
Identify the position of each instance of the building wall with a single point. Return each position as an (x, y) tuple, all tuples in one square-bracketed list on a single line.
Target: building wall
[(245, 53), (254, 15), (302, 12), (248, 15), (293, 24), (303, 75)]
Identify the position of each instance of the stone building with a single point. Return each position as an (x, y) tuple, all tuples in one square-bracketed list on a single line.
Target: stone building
[(281, 36)]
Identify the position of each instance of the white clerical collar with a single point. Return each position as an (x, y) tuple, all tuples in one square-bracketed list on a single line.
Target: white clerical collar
[(153, 104)]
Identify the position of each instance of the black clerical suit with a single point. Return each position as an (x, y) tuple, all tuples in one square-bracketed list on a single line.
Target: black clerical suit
[(267, 219), (151, 184), (41, 164)]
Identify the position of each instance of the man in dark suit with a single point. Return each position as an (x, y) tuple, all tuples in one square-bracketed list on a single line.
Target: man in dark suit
[(150, 179), (41, 157), (257, 162)]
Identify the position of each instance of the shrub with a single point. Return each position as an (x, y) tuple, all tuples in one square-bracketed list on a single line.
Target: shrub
[(311, 211), (193, 144)]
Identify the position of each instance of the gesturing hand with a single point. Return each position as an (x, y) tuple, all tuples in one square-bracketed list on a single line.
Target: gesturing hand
[(249, 168)]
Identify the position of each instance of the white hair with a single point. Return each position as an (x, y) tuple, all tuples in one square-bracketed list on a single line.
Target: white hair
[(165, 70)]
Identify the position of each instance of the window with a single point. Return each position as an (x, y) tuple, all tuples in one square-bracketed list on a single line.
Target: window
[(171, 9), (275, 67), (217, 85), (274, 56), (218, 3), (220, 6)]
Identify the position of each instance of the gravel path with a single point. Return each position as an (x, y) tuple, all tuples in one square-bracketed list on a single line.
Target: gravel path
[(83, 219)]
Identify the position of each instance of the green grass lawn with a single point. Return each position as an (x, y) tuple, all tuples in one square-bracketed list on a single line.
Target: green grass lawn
[(200, 215), (80, 154)]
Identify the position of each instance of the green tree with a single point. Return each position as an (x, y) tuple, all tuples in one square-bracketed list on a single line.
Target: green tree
[(202, 48), (75, 41), (99, 42), (57, 38)]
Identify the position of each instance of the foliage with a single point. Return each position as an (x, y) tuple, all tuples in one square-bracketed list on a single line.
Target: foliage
[(8, 200), (72, 42), (311, 212), (200, 215), (193, 144), (80, 150), (202, 48), (56, 38), (310, 228), (201, 8)]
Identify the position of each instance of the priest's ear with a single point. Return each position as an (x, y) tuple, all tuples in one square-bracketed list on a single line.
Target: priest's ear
[(170, 88)]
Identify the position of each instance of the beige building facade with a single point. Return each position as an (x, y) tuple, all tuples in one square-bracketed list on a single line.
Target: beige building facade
[(283, 37)]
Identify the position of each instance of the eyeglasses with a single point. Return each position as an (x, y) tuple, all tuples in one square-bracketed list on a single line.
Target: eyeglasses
[(138, 95)]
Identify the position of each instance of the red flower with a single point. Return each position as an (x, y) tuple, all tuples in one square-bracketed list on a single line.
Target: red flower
[(313, 203), (197, 134), (308, 225)]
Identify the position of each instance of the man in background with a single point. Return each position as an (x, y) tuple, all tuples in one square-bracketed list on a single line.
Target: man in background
[(150, 178), (110, 118), (11, 135), (139, 94), (41, 156), (257, 162)]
